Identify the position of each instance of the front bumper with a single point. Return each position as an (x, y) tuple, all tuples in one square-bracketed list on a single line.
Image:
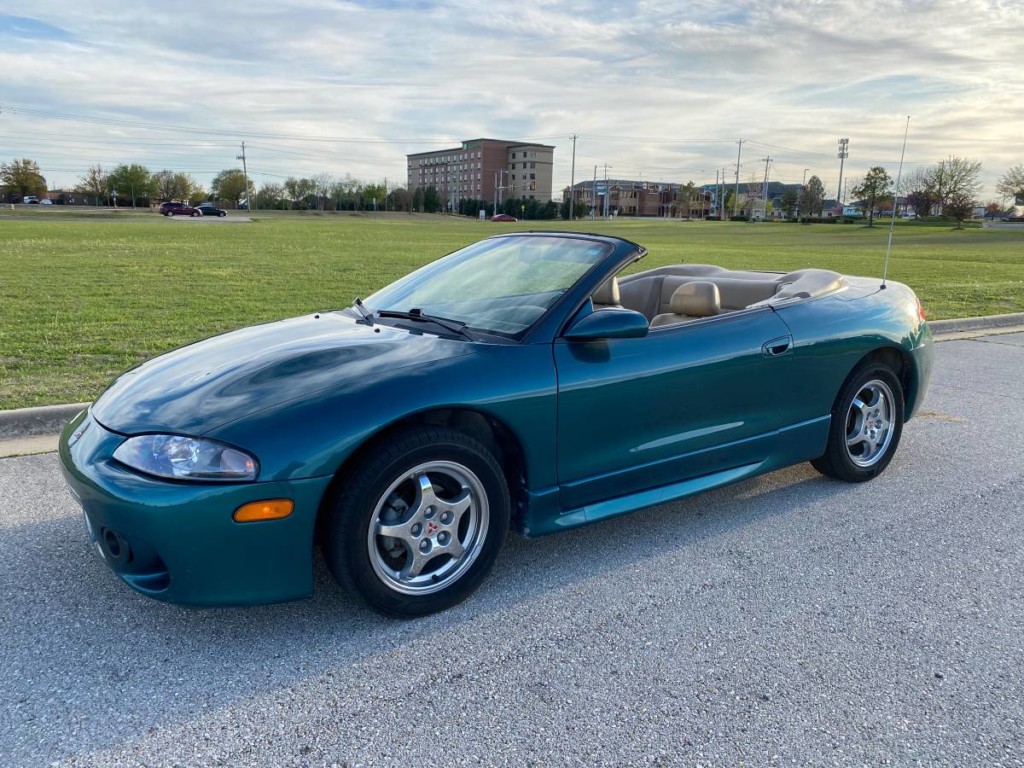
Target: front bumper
[(177, 542)]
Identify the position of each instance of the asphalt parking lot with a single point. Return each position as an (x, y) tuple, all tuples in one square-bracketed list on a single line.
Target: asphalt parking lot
[(787, 620)]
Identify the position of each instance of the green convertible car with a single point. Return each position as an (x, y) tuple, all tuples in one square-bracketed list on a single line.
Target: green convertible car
[(518, 382)]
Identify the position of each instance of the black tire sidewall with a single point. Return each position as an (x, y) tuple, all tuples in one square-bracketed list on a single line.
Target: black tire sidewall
[(347, 526), (837, 460)]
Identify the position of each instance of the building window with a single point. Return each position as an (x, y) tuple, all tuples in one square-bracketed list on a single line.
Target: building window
[(533, 165), (533, 175)]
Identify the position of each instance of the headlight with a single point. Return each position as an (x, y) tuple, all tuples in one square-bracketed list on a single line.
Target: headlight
[(186, 458)]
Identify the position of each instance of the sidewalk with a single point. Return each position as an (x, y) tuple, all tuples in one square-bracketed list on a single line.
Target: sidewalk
[(28, 431)]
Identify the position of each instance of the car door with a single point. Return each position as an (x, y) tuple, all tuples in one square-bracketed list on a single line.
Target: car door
[(684, 401)]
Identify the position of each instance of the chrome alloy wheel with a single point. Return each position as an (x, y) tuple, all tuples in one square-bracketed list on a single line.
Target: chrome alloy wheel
[(428, 528), (869, 423)]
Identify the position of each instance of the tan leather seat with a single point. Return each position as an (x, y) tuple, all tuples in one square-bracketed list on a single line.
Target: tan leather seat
[(690, 301), (607, 294)]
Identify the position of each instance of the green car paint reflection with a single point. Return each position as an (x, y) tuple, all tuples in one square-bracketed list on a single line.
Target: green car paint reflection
[(566, 410)]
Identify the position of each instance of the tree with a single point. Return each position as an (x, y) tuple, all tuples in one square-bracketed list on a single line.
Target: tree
[(300, 192), (131, 181), (790, 198), (417, 199), (955, 177), (94, 183), (230, 185), (401, 199), (960, 206), (918, 195), (270, 196), (431, 200), (322, 185), (22, 177), (812, 198), (176, 186), (993, 209), (873, 189), (1011, 184)]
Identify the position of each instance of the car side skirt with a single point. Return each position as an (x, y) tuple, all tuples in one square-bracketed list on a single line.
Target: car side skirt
[(796, 443)]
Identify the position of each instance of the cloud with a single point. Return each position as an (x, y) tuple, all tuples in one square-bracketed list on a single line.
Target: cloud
[(351, 87)]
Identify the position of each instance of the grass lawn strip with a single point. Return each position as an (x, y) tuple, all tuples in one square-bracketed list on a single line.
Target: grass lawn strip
[(84, 300)]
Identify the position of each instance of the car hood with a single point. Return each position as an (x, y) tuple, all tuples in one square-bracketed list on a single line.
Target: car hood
[(202, 386)]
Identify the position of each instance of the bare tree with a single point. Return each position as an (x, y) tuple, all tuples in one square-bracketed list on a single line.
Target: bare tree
[(954, 178), (94, 183), (322, 184), (1011, 184)]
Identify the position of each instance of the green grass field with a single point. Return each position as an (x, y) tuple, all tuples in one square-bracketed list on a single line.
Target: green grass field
[(82, 300)]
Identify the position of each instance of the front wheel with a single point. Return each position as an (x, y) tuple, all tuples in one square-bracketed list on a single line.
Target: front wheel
[(867, 421), (222, 214), (196, 214), (417, 525), (169, 213)]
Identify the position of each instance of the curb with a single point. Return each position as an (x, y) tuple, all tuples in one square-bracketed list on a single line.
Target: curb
[(957, 325), (50, 419), (43, 420)]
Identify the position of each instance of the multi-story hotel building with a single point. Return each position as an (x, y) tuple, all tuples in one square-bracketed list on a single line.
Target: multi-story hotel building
[(484, 169)]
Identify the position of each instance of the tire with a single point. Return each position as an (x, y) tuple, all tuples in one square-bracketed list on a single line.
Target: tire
[(169, 213), (196, 214), (444, 497), (222, 214), (867, 422)]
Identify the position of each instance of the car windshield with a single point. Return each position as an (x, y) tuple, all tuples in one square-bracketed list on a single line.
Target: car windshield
[(501, 285)]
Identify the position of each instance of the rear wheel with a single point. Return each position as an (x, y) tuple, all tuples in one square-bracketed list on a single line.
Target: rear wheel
[(867, 422), (417, 525)]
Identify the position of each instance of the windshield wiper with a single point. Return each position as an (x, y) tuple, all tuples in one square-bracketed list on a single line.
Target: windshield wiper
[(417, 314), (367, 315)]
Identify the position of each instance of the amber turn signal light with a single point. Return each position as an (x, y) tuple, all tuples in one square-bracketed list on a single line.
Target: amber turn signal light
[(271, 509)]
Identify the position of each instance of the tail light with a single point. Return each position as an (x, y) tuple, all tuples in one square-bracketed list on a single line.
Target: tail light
[(920, 309)]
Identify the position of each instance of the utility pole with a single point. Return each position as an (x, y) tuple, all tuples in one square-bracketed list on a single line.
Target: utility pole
[(736, 193), (844, 152), (605, 190), (385, 194), (764, 189), (245, 175), (593, 189), (572, 181), (721, 204), (717, 205)]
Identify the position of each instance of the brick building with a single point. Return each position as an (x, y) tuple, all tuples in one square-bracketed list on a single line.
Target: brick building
[(484, 169)]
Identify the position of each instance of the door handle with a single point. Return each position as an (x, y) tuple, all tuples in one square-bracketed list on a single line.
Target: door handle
[(776, 347)]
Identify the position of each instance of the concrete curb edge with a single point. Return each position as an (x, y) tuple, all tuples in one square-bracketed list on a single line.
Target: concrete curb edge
[(50, 419), (959, 324), (42, 420)]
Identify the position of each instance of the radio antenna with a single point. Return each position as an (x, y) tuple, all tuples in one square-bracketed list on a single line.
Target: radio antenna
[(892, 219)]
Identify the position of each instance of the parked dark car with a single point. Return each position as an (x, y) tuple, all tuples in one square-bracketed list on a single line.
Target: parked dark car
[(179, 209), (209, 209)]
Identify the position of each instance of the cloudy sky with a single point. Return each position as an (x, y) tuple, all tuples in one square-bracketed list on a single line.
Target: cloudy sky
[(657, 90)]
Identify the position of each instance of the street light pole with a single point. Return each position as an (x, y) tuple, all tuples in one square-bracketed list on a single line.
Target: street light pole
[(572, 181)]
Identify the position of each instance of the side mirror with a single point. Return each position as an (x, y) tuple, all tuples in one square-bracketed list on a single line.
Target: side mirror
[(609, 324)]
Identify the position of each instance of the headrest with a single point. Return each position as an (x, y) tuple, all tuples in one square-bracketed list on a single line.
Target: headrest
[(696, 299), (607, 292)]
